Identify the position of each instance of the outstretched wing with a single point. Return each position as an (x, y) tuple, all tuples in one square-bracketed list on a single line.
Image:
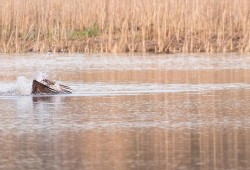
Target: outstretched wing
[(65, 89), (38, 87), (59, 87)]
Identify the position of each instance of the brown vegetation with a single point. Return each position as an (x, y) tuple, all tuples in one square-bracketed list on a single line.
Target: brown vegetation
[(125, 26)]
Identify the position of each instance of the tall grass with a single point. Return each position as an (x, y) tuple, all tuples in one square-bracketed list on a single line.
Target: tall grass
[(125, 26)]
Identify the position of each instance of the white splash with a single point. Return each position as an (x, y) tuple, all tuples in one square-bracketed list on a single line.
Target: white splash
[(42, 70), (41, 75), (21, 87), (23, 84)]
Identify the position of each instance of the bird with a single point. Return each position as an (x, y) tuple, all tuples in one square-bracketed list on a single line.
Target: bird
[(46, 86)]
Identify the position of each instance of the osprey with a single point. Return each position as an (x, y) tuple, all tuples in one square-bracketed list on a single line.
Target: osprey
[(49, 87)]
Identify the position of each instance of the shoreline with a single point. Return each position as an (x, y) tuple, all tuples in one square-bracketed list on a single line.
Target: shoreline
[(95, 45)]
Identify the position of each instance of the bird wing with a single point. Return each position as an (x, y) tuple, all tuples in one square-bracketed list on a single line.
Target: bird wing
[(38, 87)]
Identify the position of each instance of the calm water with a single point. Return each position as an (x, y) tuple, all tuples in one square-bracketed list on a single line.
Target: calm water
[(126, 112)]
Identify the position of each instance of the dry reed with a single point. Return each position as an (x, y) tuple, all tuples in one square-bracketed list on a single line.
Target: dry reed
[(125, 26)]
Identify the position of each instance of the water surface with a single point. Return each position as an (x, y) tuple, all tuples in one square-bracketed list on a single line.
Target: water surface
[(126, 112)]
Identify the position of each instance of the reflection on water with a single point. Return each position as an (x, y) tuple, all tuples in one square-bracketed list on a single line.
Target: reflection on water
[(129, 119)]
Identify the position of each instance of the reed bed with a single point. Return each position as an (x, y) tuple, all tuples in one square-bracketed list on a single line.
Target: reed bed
[(159, 26)]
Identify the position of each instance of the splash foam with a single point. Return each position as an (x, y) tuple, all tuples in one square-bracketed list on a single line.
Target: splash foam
[(21, 87)]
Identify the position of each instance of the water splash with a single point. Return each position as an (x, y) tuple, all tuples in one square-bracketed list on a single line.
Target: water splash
[(21, 87), (23, 84), (42, 70), (41, 75)]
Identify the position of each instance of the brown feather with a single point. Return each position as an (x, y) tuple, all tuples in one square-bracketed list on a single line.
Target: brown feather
[(40, 88)]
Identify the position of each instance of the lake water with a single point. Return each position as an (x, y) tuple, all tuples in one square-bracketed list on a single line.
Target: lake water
[(126, 112)]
